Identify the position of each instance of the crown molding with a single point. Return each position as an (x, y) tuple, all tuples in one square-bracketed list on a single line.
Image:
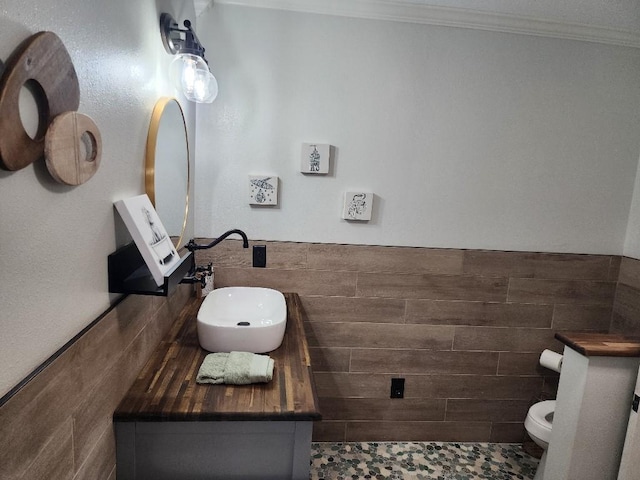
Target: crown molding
[(405, 11)]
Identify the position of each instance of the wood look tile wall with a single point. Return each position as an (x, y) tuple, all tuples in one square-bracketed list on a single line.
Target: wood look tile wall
[(626, 308), (59, 425), (464, 328)]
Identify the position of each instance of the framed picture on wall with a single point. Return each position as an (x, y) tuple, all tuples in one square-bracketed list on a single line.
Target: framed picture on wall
[(149, 235), (315, 158), (263, 190), (357, 206)]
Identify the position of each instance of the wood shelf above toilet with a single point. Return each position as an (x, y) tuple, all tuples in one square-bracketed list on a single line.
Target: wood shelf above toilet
[(601, 344)]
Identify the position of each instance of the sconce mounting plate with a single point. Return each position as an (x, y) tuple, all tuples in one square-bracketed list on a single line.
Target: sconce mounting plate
[(169, 31)]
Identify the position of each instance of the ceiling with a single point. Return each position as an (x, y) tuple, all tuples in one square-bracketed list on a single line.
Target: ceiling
[(614, 22)]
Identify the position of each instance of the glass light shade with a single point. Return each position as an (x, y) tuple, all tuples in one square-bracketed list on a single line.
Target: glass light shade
[(190, 74)]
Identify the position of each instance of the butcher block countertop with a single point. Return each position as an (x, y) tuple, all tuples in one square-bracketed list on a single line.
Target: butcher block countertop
[(166, 388), (601, 344)]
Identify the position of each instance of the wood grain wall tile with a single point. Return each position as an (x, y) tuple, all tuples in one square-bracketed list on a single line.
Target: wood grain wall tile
[(101, 461), (55, 460), (310, 334), (474, 410), (423, 361), (93, 417), (626, 311), (472, 386), (229, 253), (362, 258), (362, 385), (99, 348), (303, 282), (25, 435), (582, 317), (380, 335), (508, 432), (51, 399), (94, 414), (373, 313), (351, 309), (382, 409), (537, 265), (434, 287), (630, 272), (419, 431), (443, 312), (503, 339), (13, 410), (330, 359), (614, 268), (533, 290), (329, 431), (550, 387), (624, 325), (518, 363)]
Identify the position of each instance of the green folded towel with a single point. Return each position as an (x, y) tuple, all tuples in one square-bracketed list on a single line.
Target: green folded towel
[(235, 368)]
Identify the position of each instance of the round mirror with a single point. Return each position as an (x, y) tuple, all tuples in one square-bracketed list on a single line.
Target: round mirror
[(167, 167)]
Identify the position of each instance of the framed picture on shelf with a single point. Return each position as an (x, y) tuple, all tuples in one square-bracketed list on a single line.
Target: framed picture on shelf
[(149, 235)]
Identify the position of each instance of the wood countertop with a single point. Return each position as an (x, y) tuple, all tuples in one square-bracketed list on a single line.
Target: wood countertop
[(166, 388), (601, 344)]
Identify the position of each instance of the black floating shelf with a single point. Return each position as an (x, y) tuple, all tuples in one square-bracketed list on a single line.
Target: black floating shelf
[(128, 273)]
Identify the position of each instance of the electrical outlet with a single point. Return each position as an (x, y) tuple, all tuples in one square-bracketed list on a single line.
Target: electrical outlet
[(260, 256), (397, 388)]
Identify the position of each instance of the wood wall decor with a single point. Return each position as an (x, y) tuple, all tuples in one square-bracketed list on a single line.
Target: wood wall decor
[(42, 62), (72, 149)]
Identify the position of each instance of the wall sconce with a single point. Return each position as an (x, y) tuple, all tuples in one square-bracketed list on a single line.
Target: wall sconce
[(189, 71)]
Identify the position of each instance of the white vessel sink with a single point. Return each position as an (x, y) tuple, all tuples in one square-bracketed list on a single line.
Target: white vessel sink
[(242, 319)]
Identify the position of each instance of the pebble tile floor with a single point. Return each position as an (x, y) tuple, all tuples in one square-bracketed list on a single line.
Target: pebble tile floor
[(420, 460)]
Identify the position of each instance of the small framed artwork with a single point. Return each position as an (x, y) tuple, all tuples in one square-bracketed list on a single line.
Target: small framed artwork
[(263, 190), (357, 206), (315, 158), (149, 235)]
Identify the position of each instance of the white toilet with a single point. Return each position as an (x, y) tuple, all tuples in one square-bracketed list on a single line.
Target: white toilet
[(538, 426)]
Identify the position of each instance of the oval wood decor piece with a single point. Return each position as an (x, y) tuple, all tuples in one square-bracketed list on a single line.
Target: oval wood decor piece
[(42, 60), (73, 148)]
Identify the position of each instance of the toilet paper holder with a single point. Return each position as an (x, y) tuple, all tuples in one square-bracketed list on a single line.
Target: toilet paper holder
[(551, 360)]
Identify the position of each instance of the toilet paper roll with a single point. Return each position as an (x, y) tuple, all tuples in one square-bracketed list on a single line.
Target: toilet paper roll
[(551, 360)]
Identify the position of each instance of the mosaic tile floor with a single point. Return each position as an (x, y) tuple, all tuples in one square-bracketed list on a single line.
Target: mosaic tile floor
[(418, 460)]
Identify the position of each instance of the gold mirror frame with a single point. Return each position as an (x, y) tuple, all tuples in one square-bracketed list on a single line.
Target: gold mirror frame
[(150, 159)]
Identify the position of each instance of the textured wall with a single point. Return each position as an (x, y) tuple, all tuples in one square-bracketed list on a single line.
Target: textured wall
[(464, 327), (54, 239), (469, 139)]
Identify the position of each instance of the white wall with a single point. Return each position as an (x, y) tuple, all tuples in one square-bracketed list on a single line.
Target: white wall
[(54, 239), (469, 139), (632, 239)]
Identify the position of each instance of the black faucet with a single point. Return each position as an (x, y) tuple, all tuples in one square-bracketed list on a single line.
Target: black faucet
[(192, 245)]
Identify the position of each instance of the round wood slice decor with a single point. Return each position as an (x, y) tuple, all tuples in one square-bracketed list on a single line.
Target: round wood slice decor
[(43, 62), (72, 148)]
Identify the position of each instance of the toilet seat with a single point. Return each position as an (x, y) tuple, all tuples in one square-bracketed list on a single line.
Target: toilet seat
[(537, 422)]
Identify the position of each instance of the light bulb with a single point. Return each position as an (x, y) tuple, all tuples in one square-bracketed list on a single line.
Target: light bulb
[(190, 74), (205, 87)]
